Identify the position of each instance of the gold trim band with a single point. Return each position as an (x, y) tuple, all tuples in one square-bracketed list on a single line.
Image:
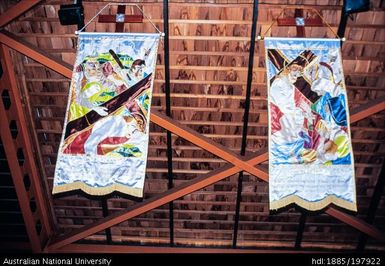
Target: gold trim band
[(98, 191), (313, 206)]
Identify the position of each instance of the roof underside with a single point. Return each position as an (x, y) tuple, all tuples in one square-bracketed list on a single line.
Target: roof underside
[(209, 54)]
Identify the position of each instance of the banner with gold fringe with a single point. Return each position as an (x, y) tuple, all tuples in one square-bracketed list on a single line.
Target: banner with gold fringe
[(105, 138), (311, 162)]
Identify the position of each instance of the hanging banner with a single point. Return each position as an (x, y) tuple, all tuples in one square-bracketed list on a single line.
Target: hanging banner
[(310, 152), (105, 138)]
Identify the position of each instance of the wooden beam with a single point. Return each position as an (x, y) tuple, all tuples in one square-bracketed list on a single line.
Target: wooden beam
[(211, 21), (15, 169), (184, 38), (167, 90), (246, 114), (28, 109), (16, 10), (35, 53), (368, 109), (65, 69), (39, 190), (104, 203), (89, 248), (205, 143), (152, 203)]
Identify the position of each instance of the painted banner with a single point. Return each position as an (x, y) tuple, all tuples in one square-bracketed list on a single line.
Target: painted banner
[(105, 138), (310, 152)]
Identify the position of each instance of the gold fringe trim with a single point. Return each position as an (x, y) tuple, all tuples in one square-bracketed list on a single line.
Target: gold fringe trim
[(98, 191), (313, 206)]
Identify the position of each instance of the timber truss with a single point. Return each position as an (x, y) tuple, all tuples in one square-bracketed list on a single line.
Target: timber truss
[(35, 204)]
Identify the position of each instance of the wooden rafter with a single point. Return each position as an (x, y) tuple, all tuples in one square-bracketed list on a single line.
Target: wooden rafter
[(368, 109), (38, 188), (191, 186), (300, 230), (87, 248), (11, 154), (16, 10), (35, 53)]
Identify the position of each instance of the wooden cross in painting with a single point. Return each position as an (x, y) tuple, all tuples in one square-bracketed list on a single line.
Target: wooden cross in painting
[(120, 18), (300, 22)]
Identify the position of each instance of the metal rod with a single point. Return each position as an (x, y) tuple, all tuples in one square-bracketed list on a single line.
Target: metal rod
[(104, 204), (37, 148), (246, 117), (237, 209), (23, 139), (10, 150), (301, 227), (342, 25), (378, 190), (168, 113)]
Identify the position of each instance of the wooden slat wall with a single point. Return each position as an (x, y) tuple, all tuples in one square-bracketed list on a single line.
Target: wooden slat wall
[(209, 55)]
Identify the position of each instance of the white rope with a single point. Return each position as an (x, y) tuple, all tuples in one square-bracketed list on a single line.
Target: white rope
[(97, 14), (161, 33)]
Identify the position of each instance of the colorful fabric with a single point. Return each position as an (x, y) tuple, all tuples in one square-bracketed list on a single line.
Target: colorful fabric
[(105, 139), (310, 152)]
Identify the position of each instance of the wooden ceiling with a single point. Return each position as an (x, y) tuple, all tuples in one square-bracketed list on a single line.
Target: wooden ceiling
[(209, 55)]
